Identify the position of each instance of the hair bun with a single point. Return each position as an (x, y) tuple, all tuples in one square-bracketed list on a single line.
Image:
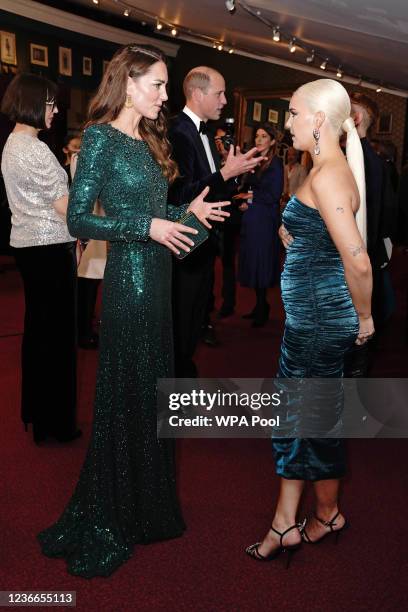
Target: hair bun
[(348, 124)]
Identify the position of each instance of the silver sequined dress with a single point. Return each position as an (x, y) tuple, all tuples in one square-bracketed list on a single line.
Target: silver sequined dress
[(126, 492)]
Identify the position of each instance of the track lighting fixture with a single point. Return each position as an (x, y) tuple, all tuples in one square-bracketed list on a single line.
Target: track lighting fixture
[(230, 6), (292, 45), (323, 65), (310, 58), (276, 34)]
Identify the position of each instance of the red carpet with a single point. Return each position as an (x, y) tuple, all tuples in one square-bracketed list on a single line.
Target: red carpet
[(228, 489)]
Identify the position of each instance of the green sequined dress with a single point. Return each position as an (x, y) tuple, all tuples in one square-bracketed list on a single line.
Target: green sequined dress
[(126, 493)]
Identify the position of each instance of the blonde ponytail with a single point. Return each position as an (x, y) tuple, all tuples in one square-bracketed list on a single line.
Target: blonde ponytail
[(355, 158), (331, 97)]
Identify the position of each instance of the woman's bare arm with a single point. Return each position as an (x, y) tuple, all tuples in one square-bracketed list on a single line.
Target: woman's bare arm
[(334, 194)]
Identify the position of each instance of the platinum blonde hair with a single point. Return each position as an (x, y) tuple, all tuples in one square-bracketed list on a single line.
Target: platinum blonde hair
[(332, 99)]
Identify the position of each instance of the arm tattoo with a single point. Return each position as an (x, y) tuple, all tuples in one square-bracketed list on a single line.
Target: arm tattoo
[(340, 209), (356, 249)]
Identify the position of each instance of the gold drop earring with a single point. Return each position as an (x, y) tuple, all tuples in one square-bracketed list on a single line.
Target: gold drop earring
[(128, 102)]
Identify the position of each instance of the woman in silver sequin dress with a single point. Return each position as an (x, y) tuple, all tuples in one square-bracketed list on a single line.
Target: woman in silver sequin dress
[(126, 492), (37, 193)]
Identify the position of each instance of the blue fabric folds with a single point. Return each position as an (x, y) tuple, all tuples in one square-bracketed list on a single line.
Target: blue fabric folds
[(321, 324)]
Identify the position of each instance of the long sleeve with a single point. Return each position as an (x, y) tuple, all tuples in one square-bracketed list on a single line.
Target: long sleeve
[(91, 178), (186, 187), (268, 189)]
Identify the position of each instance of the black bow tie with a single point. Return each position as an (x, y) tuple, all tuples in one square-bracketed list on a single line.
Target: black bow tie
[(203, 129)]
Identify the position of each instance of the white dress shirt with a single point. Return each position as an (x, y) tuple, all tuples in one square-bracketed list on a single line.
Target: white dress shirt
[(203, 137)]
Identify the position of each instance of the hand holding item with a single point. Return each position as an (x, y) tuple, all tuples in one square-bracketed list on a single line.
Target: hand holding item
[(208, 210), (171, 235), (366, 329), (284, 235)]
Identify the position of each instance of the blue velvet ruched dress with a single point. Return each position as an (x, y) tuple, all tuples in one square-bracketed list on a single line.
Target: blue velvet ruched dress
[(321, 324)]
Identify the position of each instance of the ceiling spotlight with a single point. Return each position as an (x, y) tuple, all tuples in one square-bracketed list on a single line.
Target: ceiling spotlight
[(215, 45), (339, 73), (310, 58), (95, 1), (159, 26), (378, 90), (220, 47), (174, 32), (276, 34), (126, 12), (292, 46), (230, 6), (323, 65), (231, 51)]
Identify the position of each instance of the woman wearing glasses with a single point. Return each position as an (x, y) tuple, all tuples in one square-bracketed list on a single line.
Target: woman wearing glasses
[(37, 192)]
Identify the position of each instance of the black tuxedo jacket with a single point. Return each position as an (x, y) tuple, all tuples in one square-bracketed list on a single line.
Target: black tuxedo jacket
[(195, 171)]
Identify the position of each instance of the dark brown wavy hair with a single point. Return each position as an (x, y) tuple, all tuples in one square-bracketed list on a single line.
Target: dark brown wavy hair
[(133, 61), (272, 150)]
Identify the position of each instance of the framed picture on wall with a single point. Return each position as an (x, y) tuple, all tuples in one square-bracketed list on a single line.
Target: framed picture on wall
[(287, 115), (65, 61), (8, 48), (384, 123), (273, 116), (38, 55), (87, 66), (257, 113)]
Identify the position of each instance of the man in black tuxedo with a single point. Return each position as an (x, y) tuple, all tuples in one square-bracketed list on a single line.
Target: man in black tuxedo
[(379, 201), (199, 165)]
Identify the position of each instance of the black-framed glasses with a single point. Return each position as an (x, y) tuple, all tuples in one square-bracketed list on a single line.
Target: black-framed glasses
[(51, 104)]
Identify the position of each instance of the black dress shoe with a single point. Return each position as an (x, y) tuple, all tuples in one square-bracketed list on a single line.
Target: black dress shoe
[(250, 315), (68, 437), (261, 316), (208, 336), (39, 434), (225, 312)]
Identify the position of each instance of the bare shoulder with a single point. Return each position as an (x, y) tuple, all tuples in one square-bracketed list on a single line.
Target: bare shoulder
[(334, 181)]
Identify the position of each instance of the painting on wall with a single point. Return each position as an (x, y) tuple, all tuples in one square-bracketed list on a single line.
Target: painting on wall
[(65, 61), (38, 55), (257, 113), (384, 123), (8, 48), (273, 116), (87, 66)]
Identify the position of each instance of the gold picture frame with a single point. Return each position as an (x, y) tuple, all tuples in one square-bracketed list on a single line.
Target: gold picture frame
[(38, 55), (65, 61), (8, 48), (257, 112), (87, 66), (273, 116)]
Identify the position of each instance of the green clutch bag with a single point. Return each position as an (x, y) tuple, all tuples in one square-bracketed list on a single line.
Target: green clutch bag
[(191, 221)]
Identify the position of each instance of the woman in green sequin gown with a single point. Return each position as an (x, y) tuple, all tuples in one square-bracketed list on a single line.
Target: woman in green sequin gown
[(126, 492)]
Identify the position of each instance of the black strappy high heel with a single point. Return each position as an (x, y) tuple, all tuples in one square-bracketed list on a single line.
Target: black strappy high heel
[(330, 524), (254, 553)]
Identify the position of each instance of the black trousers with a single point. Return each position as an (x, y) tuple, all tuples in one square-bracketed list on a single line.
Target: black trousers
[(49, 342), (228, 258), (87, 295), (193, 279)]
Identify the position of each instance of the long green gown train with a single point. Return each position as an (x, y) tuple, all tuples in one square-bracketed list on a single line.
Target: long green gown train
[(321, 325), (126, 492)]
